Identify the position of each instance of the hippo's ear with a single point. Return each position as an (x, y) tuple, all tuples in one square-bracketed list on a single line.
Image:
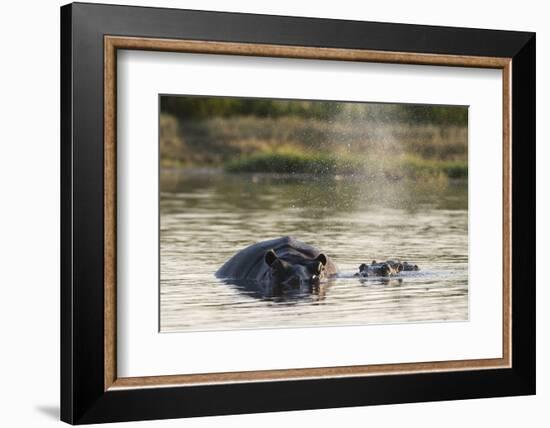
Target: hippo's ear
[(399, 267), (322, 258), (270, 257)]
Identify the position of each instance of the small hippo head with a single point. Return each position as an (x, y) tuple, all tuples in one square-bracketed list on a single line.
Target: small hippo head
[(380, 269), (396, 267), (296, 273)]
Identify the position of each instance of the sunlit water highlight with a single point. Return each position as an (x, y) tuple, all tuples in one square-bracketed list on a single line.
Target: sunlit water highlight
[(206, 216)]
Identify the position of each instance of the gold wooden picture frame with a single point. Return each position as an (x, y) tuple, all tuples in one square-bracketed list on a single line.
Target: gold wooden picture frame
[(114, 43)]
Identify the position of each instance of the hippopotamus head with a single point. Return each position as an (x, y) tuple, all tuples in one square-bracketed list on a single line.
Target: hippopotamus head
[(295, 271), (388, 268)]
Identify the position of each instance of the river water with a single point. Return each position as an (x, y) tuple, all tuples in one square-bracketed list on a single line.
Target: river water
[(207, 216)]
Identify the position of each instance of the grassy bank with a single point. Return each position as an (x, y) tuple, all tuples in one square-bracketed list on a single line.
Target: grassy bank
[(244, 141), (296, 162)]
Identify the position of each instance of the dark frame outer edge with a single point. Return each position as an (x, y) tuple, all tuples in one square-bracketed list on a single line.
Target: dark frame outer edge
[(66, 316), (524, 213)]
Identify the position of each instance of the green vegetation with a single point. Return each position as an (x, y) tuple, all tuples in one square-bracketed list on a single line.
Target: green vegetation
[(304, 137), (292, 162), (295, 162), (193, 107)]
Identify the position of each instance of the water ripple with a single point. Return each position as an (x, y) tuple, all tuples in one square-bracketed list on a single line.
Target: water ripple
[(207, 218)]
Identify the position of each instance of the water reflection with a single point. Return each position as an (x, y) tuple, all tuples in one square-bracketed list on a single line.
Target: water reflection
[(278, 293), (207, 216)]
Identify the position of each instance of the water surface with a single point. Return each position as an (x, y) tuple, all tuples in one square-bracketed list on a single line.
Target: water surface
[(206, 216)]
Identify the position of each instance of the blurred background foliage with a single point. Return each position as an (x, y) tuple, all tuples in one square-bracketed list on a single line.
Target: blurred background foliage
[(190, 107), (314, 137)]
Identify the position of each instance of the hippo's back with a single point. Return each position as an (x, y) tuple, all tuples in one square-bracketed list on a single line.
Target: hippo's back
[(249, 262)]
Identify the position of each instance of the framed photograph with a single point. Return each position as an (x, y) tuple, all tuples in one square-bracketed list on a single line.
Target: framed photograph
[(266, 213)]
